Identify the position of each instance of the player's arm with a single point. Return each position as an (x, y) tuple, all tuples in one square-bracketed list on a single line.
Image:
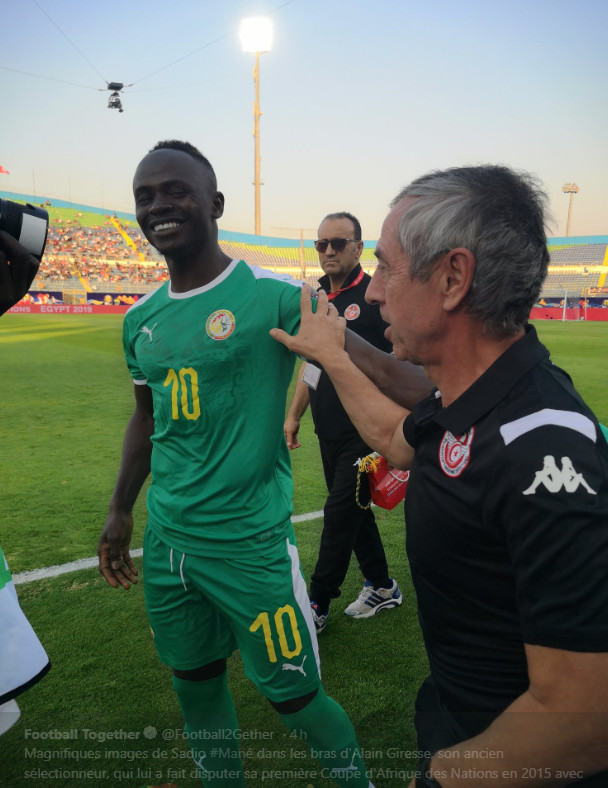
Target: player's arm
[(378, 419), (553, 734), (18, 267), (115, 562), (296, 410), (401, 381)]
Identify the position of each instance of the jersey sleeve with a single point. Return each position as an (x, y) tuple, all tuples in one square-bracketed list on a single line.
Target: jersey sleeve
[(128, 347), (555, 519), (290, 314), (284, 290)]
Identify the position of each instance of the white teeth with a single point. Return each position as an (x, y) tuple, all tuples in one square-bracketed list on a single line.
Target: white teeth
[(165, 226)]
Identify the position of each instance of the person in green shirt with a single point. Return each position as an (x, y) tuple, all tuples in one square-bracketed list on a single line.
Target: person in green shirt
[(221, 568)]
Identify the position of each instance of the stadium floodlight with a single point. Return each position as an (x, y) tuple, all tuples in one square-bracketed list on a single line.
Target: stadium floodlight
[(256, 35), (256, 38), (571, 189)]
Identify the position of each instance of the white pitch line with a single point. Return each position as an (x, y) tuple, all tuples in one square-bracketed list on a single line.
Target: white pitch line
[(88, 563), (301, 518)]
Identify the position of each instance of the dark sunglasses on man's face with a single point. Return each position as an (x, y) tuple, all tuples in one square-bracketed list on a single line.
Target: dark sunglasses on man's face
[(337, 244)]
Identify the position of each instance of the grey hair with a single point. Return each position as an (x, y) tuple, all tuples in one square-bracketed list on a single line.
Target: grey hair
[(497, 214)]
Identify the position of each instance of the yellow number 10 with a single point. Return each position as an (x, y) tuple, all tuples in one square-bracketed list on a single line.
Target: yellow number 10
[(263, 620), (188, 379)]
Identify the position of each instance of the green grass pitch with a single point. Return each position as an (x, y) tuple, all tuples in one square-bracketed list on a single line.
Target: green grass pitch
[(66, 397)]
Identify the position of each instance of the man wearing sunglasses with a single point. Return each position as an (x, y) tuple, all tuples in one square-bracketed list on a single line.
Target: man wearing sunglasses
[(347, 528)]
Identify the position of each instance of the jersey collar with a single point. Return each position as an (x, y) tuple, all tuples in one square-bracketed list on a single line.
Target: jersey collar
[(325, 283), (494, 384)]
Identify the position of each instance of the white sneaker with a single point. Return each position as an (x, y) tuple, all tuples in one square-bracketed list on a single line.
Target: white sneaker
[(371, 600), (318, 617)]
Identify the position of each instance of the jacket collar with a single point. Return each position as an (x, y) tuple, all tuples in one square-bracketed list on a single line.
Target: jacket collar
[(495, 383), (324, 282)]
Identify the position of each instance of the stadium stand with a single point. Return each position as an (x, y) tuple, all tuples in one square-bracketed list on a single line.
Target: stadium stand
[(90, 251), (577, 266)]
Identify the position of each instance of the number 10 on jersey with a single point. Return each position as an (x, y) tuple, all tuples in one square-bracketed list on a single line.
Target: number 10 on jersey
[(184, 393)]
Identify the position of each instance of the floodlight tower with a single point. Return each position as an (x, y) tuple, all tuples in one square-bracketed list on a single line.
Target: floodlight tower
[(256, 38), (571, 189)]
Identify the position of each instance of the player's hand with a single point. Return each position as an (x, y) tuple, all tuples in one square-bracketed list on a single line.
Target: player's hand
[(291, 429), (115, 562), (321, 334), (18, 267)]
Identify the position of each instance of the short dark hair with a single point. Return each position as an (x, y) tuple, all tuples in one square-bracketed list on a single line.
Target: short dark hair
[(185, 147), (350, 217)]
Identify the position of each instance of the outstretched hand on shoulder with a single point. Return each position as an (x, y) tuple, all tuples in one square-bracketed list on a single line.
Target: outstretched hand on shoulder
[(321, 334)]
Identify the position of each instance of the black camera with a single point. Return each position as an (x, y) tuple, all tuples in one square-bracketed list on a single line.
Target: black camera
[(28, 224)]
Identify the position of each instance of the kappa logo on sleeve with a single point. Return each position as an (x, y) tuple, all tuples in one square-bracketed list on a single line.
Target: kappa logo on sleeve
[(554, 478)]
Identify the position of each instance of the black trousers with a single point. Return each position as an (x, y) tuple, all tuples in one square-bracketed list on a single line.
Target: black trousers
[(346, 527)]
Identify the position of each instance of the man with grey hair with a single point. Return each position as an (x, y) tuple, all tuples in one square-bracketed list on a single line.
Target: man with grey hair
[(509, 565)]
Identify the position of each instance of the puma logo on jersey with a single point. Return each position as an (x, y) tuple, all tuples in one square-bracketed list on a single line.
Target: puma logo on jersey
[(148, 331), (299, 668), (554, 478), (199, 763), (342, 772)]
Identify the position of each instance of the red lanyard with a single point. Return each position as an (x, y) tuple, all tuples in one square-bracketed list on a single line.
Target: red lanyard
[(359, 277)]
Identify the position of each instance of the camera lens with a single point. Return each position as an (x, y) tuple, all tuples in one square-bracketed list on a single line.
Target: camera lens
[(10, 217), (28, 224)]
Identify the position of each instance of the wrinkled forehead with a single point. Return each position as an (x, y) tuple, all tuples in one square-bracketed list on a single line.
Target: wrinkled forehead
[(170, 165)]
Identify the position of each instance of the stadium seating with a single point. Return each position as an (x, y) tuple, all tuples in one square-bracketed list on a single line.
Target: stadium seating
[(578, 255), (577, 269), (87, 251)]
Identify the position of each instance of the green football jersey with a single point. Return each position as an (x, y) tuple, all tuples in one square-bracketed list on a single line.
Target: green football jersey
[(220, 465)]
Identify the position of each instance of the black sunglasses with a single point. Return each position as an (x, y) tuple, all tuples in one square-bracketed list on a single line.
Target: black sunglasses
[(337, 244)]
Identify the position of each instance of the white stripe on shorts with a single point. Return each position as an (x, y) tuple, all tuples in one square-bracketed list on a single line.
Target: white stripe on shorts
[(301, 595)]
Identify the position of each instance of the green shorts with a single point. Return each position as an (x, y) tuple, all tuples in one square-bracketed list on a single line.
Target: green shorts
[(201, 609)]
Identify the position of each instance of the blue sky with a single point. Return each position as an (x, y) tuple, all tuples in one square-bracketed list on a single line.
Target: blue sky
[(358, 98)]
